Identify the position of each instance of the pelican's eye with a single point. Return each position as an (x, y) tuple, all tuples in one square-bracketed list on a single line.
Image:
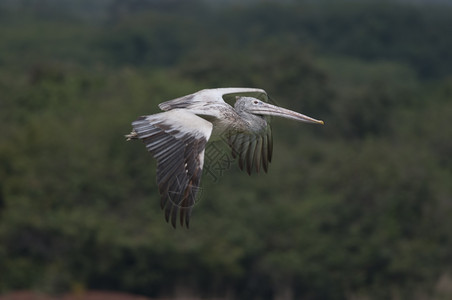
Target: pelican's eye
[(255, 102)]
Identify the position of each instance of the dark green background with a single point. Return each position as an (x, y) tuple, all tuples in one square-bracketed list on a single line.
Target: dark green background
[(360, 208)]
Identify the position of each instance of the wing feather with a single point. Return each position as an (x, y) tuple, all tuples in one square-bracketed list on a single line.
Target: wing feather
[(264, 152), (202, 97), (232, 142), (250, 154), (177, 140), (252, 150), (243, 151), (269, 143), (258, 153)]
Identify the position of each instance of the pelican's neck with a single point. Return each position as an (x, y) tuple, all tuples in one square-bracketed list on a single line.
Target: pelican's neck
[(251, 123)]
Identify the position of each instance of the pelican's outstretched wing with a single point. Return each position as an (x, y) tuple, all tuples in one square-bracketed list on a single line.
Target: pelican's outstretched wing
[(177, 140), (199, 99), (252, 150)]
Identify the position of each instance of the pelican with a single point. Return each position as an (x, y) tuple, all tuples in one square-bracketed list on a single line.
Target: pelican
[(177, 138)]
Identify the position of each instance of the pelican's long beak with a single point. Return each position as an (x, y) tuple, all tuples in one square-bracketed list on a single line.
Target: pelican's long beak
[(273, 110)]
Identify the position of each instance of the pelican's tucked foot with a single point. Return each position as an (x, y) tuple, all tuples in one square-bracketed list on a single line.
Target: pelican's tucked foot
[(132, 135)]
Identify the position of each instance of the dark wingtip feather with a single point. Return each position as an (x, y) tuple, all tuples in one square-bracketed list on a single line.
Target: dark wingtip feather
[(250, 155), (270, 145), (232, 141), (248, 167), (181, 218), (167, 212), (163, 201), (187, 218), (174, 216), (258, 153), (264, 153)]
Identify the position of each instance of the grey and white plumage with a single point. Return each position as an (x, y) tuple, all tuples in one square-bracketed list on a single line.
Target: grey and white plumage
[(177, 138)]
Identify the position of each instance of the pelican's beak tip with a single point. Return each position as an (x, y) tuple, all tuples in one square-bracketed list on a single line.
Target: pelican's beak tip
[(321, 122)]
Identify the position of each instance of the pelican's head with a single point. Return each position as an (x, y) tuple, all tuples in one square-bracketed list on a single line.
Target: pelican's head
[(257, 107)]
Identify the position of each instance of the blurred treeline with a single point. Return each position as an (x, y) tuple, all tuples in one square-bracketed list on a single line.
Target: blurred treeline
[(360, 208)]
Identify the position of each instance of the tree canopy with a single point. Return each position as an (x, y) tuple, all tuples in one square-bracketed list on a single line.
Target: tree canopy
[(360, 208)]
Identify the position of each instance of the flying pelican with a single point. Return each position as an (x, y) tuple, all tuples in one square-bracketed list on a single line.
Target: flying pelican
[(177, 139)]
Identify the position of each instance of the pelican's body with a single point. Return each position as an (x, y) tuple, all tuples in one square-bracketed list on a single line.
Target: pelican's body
[(177, 138)]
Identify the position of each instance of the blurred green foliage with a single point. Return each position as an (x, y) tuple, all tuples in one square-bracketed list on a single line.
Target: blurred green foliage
[(358, 209)]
